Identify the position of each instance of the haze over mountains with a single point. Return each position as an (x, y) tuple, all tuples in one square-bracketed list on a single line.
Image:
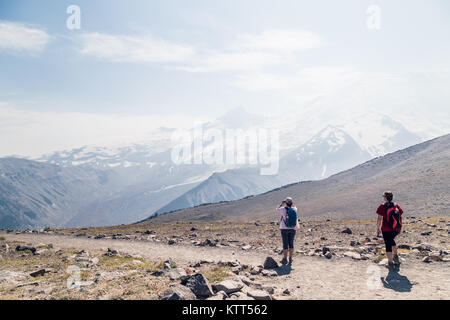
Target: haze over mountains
[(95, 185), (418, 176)]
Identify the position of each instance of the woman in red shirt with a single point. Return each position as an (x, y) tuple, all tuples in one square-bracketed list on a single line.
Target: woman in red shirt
[(388, 232)]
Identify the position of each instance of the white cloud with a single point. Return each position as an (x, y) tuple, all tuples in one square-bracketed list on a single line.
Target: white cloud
[(235, 61), (19, 37), (33, 133), (301, 84), (282, 41), (124, 48), (254, 52)]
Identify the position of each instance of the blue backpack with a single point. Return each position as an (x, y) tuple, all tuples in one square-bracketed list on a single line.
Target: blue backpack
[(291, 217)]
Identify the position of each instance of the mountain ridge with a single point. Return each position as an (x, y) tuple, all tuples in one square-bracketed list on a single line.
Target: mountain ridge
[(361, 186)]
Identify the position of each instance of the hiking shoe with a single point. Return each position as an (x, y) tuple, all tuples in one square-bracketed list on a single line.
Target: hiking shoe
[(396, 259), (290, 260), (284, 261)]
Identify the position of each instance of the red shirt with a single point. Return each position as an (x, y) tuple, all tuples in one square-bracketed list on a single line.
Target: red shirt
[(382, 211)]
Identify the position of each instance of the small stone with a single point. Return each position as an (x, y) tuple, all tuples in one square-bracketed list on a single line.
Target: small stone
[(353, 255), (175, 273), (255, 270), (38, 273), (25, 248), (347, 231), (435, 256), (247, 247), (221, 295), (286, 292), (259, 295), (245, 280), (239, 296), (269, 289)]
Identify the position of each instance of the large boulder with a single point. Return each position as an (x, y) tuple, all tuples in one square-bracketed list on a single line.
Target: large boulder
[(259, 295), (198, 284), (229, 286), (178, 292), (270, 263)]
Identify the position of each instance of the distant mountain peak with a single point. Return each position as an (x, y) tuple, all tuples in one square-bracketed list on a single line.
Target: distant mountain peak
[(239, 117)]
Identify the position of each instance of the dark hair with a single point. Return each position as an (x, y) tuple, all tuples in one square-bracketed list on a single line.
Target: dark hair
[(289, 202), (388, 195)]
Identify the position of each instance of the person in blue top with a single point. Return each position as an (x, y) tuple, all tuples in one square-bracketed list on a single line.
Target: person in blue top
[(288, 225)]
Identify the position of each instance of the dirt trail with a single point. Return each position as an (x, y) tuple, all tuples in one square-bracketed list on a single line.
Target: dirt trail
[(309, 277)]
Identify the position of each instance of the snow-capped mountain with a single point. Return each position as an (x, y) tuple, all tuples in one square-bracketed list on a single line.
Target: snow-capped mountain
[(315, 142), (330, 151), (102, 157)]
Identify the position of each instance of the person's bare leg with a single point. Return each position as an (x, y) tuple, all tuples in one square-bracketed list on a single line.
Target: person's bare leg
[(285, 253), (390, 257), (291, 253), (395, 255)]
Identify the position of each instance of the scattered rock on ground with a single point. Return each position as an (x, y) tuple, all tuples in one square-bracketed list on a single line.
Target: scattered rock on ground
[(178, 292), (40, 272), (175, 273), (353, 255), (270, 263), (199, 285), (259, 294), (347, 231), (25, 248), (229, 286)]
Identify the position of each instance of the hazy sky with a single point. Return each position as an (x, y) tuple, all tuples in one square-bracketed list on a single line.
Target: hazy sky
[(135, 65)]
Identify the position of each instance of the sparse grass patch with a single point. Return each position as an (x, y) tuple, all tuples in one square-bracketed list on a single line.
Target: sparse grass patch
[(217, 273), (114, 262), (2, 239)]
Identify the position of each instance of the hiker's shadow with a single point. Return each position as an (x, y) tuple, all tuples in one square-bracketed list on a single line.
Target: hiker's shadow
[(396, 281), (284, 270)]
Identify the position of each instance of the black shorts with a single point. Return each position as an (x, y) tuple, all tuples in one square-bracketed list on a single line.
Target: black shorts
[(288, 235), (389, 241)]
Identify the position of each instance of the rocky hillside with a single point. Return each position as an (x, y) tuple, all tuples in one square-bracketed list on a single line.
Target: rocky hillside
[(417, 175), (40, 194)]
